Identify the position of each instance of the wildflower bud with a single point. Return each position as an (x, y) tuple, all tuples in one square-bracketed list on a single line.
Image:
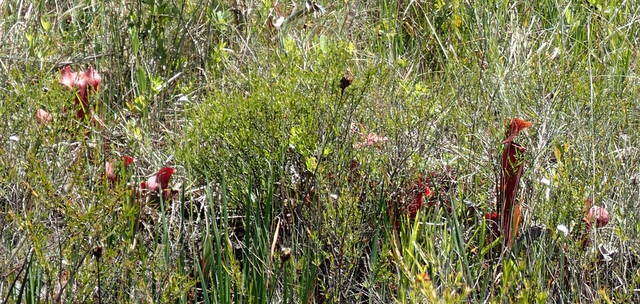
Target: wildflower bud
[(97, 252)]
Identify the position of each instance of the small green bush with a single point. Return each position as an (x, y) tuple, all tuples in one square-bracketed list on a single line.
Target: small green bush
[(244, 128)]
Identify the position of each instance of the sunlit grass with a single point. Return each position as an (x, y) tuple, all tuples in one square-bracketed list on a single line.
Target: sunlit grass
[(278, 196)]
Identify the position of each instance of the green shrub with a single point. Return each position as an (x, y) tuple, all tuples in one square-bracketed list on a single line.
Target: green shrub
[(242, 129)]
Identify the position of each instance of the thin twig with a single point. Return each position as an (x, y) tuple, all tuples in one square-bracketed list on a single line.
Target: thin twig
[(13, 284), (26, 273)]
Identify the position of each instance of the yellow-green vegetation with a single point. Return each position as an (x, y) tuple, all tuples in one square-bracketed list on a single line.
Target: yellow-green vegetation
[(325, 151)]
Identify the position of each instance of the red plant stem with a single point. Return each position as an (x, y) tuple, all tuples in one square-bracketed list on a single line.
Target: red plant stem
[(512, 168)]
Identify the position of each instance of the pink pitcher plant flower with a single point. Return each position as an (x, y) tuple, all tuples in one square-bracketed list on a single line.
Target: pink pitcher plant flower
[(159, 181), (597, 215), (593, 215), (111, 166), (371, 139), (85, 83), (366, 139)]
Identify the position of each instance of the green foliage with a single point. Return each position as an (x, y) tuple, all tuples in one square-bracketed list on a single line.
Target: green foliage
[(278, 197), (243, 129)]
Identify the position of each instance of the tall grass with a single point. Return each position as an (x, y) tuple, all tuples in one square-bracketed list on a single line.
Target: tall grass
[(277, 198)]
